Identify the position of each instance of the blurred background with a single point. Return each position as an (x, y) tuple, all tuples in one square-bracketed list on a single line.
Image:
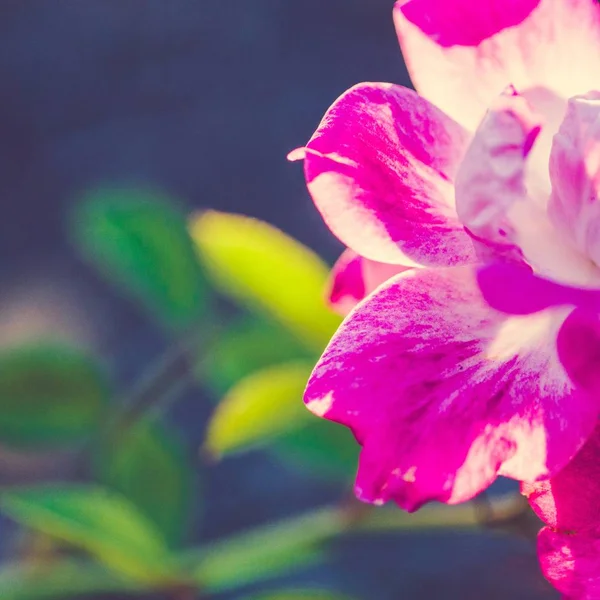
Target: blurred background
[(198, 101)]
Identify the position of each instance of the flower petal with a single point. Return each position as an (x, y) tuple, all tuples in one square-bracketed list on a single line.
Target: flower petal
[(575, 174), (571, 563), (353, 277), (578, 345), (444, 393), (569, 501), (461, 54), (491, 197), (569, 549), (516, 290), (380, 169), (494, 202)]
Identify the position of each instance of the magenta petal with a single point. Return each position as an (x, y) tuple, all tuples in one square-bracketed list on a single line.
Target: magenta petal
[(347, 285), (444, 393), (462, 53), (569, 501), (463, 22), (571, 563), (578, 345), (514, 289), (569, 549), (353, 277), (380, 169)]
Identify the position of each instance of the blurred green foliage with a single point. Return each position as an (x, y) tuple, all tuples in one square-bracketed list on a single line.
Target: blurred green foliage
[(323, 447), (282, 284), (138, 239), (299, 595), (247, 344), (131, 518), (150, 466), (260, 407), (50, 395), (123, 527), (103, 523), (266, 270)]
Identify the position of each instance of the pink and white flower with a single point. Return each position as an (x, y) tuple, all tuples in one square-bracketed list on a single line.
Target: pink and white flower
[(496, 161)]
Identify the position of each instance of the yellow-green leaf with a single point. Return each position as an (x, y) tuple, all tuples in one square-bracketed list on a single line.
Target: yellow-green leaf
[(263, 268), (50, 395), (148, 463), (139, 239), (259, 408), (103, 523)]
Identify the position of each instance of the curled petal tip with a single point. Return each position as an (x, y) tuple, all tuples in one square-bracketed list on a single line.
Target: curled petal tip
[(297, 154), (320, 406)]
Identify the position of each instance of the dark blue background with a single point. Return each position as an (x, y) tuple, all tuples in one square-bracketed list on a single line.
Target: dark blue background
[(203, 98)]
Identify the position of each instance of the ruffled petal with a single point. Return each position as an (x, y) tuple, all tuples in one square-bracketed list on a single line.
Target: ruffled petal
[(575, 174), (354, 277), (571, 563), (444, 393), (569, 549), (461, 54), (380, 169), (494, 202), (569, 501)]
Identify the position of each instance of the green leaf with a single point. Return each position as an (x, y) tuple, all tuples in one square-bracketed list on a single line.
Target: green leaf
[(104, 524), (265, 553), (149, 465), (61, 579), (139, 239), (323, 447), (266, 270), (259, 408), (248, 344), (300, 595), (50, 395)]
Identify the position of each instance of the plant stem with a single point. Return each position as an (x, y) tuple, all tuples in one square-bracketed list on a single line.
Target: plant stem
[(165, 379), (167, 376), (435, 516)]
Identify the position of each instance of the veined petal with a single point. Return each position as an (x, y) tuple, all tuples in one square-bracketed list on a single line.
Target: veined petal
[(444, 393), (494, 202), (380, 169), (491, 197), (575, 174), (354, 277), (461, 54)]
